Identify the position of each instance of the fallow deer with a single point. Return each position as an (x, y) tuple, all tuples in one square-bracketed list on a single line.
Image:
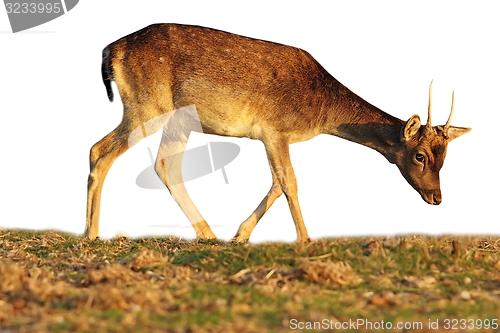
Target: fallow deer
[(244, 87)]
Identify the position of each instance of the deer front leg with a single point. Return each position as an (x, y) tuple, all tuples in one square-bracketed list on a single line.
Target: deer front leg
[(249, 224), (278, 155), (168, 166)]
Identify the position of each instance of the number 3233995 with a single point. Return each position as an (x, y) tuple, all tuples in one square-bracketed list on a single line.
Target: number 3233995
[(454, 324), (33, 7)]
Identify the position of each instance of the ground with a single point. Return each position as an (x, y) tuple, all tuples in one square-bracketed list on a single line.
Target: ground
[(56, 282)]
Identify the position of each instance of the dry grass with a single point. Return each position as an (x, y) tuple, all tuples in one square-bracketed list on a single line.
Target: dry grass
[(53, 282)]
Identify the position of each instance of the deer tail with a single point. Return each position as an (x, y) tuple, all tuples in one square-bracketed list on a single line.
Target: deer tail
[(107, 71)]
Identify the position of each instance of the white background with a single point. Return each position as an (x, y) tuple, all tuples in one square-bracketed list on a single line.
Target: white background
[(54, 108)]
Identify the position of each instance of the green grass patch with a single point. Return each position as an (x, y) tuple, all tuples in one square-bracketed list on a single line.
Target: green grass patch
[(56, 282)]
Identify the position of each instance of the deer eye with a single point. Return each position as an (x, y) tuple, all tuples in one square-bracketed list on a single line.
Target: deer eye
[(420, 157)]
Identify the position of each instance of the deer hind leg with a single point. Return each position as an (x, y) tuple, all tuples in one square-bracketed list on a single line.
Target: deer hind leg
[(102, 156), (168, 166), (249, 224)]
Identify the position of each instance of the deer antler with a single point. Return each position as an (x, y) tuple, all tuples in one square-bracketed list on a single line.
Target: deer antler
[(448, 122), (429, 112)]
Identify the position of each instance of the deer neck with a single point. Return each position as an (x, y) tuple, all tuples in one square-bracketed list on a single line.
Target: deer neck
[(354, 119)]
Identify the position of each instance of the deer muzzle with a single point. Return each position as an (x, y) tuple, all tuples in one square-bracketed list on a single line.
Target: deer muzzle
[(432, 197)]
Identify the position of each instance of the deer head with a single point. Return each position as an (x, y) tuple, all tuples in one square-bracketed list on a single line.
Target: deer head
[(421, 151)]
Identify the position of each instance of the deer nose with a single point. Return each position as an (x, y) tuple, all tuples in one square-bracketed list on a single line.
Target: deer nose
[(432, 197), (436, 199)]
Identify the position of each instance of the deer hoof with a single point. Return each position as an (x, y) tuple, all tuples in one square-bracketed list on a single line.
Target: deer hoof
[(304, 241), (90, 235), (239, 240)]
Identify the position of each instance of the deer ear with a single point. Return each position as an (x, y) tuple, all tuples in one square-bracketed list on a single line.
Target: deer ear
[(411, 128), (454, 132)]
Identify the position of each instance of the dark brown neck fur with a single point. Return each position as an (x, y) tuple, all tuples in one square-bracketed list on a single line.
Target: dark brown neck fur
[(352, 118)]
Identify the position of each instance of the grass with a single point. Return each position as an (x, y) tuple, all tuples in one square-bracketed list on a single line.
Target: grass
[(56, 282)]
